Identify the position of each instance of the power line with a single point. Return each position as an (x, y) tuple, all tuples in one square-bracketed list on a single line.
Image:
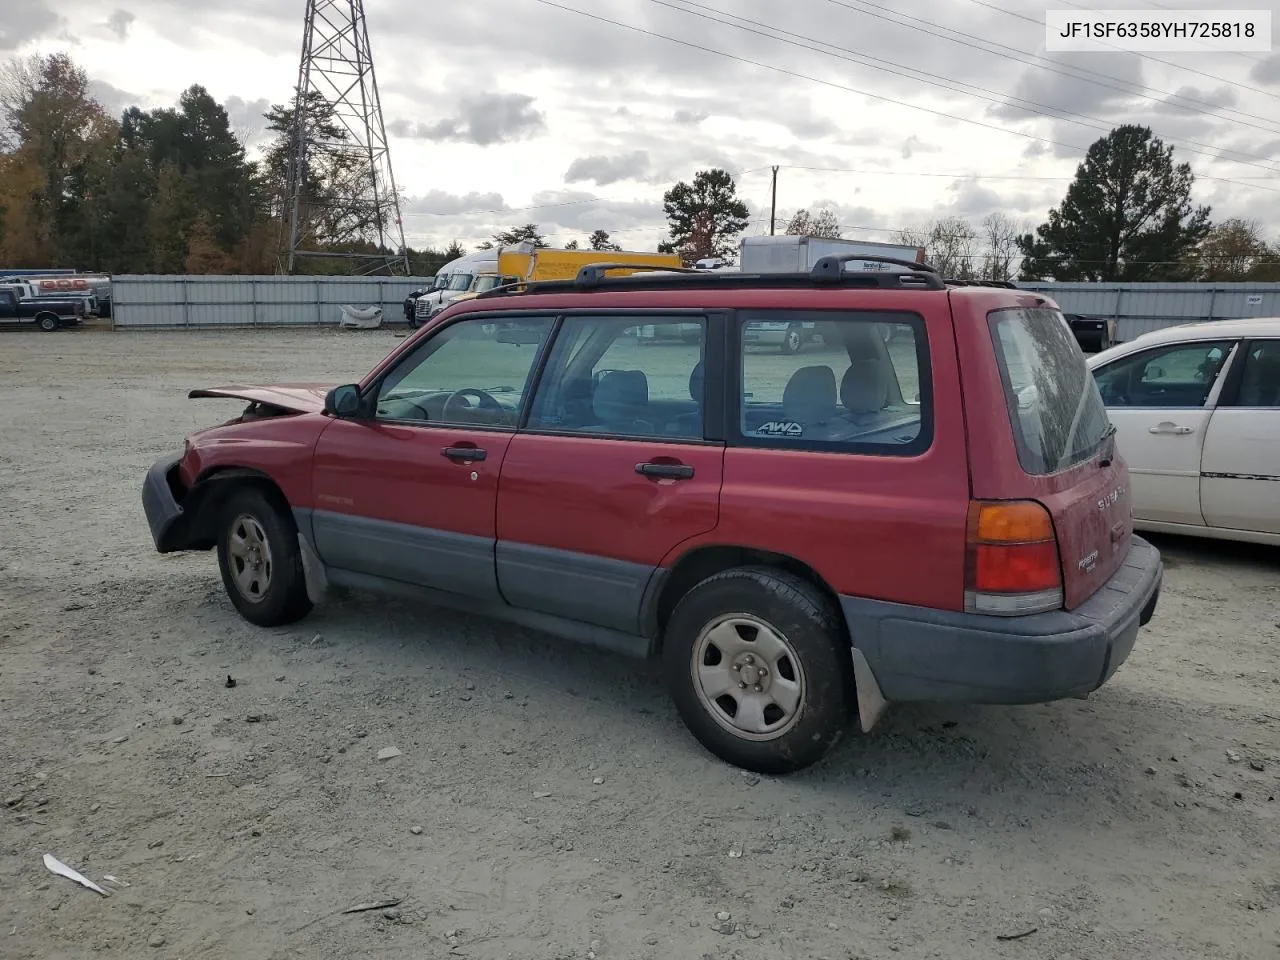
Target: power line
[(848, 89), (1076, 73), (933, 79)]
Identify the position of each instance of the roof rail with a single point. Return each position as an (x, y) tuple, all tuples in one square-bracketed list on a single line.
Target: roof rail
[(831, 269), (591, 275)]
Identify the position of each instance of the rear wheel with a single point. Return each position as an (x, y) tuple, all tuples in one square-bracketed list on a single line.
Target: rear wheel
[(759, 669), (260, 561), (48, 322)]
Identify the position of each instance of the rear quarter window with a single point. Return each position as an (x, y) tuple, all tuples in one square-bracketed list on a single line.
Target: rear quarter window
[(1055, 408), (843, 381)]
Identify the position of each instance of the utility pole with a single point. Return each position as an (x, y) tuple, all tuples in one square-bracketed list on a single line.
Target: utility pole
[(773, 209)]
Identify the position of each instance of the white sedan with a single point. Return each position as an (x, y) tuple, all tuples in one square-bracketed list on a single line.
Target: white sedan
[(1197, 414)]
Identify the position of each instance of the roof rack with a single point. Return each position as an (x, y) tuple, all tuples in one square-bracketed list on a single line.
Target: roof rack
[(828, 271)]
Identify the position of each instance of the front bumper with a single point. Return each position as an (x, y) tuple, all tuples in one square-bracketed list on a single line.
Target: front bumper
[(922, 654), (165, 515)]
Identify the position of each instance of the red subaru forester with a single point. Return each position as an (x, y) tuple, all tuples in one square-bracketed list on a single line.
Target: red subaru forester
[(924, 502)]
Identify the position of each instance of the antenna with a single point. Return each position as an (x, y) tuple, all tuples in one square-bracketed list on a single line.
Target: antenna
[(341, 191)]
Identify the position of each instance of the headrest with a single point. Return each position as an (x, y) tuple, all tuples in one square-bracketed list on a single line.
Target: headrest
[(865, 387), (810, 395), (695, 382), (621, 395)]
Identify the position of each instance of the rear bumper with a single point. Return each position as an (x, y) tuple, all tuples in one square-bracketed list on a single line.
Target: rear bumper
[(165, 515), (923, 654)]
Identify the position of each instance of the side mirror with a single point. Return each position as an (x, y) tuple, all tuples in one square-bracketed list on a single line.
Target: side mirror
[(343, 401)]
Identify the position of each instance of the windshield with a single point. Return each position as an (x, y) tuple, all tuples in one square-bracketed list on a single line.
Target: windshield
[(459, 281), (1058, 415)]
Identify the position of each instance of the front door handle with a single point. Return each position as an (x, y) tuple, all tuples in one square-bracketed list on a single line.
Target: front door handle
[(674, 471), (464, 454), (1172, 428)]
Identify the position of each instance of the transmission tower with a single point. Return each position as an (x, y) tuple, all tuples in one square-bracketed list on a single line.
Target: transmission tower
[(340, 187)]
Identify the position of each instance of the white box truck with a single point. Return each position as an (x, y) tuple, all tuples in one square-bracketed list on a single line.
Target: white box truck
[(792, 254), (798, 254)]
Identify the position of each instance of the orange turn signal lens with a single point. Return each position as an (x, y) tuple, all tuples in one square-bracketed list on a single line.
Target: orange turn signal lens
[(1013, 522)]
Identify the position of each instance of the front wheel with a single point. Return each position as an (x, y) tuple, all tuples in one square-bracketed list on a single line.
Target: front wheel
[(260, 561), (759, 669)]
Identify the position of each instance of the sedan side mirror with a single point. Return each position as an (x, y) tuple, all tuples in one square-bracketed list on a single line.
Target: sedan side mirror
[(343, 402)]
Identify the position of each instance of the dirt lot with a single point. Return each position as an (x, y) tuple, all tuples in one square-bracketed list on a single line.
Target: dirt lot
[(547, 802)]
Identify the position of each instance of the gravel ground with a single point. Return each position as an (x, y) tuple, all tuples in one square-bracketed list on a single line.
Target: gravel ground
[(546, 802)]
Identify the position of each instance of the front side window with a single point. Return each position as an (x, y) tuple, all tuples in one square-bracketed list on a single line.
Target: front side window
[(1260, 380), (624, 377), (1174, 376), (1057, 413), (474, 372), (855, 380), (459, 282)]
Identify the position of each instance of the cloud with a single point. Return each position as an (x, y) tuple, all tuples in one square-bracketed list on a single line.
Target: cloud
[(114, 100), (483, 119), (119, 23), (913, 145), (1266, 71), (690, 117), (1064, 90), (26, 20), (603, 171), (1177, 102), (442, 203)]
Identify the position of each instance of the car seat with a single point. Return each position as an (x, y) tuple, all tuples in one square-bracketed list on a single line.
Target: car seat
[(690, 424), (620, 402), (809, 398), (864, 389), (1260, 386)]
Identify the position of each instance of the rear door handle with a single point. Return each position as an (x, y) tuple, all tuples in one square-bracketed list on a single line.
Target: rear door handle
[(464, 454), (675, 471)]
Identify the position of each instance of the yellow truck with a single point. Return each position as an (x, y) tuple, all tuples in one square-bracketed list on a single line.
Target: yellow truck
[(548, 264), (515, 268)]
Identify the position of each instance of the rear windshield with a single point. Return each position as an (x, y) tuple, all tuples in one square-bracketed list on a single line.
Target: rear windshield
[(1057, 412)]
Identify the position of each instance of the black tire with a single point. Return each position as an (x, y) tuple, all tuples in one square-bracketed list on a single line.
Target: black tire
[(48, 322), (283, 599), (804, 618), (793, 339)]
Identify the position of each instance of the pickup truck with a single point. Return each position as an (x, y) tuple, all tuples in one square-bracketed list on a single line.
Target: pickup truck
[(27, 290), (48, 313)]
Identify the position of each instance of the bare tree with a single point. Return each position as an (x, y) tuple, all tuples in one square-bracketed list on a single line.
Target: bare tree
[(1000, 232), (824, 224)]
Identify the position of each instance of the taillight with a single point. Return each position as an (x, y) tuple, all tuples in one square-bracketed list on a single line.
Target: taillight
[(1012, 563)]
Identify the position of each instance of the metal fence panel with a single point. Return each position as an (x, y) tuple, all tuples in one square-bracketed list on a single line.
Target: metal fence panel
[(1140, 308), (139, 301)]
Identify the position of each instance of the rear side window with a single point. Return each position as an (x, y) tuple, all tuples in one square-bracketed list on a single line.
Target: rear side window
[(1057, 412), (839, 381)]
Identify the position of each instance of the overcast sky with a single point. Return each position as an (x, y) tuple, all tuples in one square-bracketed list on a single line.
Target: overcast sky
[(498, 106)]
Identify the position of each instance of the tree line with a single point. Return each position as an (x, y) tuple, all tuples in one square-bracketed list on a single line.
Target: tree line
[(173, 190)]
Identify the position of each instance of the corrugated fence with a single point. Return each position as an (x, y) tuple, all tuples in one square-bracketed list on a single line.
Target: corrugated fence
[(156, 302), (1139, 308)]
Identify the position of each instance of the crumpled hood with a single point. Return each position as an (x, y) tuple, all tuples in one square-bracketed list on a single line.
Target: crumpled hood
[(295, 397)]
